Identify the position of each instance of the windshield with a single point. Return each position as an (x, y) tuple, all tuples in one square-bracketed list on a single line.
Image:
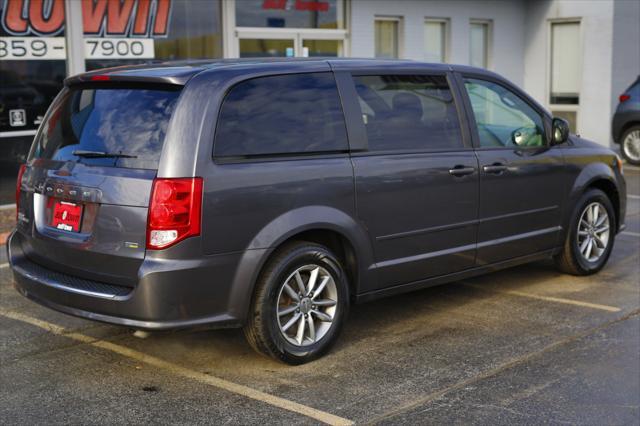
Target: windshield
[(127, 121)]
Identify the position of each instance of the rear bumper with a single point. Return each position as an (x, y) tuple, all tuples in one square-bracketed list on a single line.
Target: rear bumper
[(170, 293)]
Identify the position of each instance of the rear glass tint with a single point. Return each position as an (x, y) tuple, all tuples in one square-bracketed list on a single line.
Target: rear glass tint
[(128, 121), (285, 114), (408, 112)]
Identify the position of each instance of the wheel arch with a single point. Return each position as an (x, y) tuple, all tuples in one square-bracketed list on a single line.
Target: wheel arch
[(598, 176), (623, 129), (609, 188), (320, 224)]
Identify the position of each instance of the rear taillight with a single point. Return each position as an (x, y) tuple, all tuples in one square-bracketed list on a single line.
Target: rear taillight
[(174, 211), (23, 167), (624, 97)]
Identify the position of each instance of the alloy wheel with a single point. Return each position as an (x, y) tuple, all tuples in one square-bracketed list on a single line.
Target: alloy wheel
[(307, 304), (631, 145), (593, 232)]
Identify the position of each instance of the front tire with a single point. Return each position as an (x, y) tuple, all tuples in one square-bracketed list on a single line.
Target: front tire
[(630, 145), (590, 237), (300, 304)]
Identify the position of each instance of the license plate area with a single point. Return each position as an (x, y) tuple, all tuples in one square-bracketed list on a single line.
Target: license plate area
[(66, 215)]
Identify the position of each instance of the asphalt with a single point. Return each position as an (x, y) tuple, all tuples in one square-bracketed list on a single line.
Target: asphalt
[(525, 345)]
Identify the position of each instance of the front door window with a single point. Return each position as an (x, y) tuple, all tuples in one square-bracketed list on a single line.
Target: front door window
[(503, 119)]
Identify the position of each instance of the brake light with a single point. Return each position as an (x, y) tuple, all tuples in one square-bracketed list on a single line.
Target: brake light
[(174, 211), (100, 78), (624, 97), (23, 167)]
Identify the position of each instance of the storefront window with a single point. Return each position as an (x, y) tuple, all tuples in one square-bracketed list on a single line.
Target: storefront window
[(156, 30), (289, 14), (322, 48), (32, 62), (260, 48)]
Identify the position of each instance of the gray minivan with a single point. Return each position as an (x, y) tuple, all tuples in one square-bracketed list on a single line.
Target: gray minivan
[(272, 194)]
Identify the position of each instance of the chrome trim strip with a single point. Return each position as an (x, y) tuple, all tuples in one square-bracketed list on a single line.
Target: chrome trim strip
[(423, 256), (522, 213), (462, 224), (519, 236), (467, 247), (18, 133), (427, 230)]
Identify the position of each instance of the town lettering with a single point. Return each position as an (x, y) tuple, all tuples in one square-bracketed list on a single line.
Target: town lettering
[(124, 18)]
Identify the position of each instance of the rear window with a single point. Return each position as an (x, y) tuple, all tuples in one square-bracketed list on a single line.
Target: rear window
[(285, 114), (408, 112), (124, 121)]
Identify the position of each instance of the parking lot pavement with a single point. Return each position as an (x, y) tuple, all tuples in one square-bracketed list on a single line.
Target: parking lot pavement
[(526, 345)]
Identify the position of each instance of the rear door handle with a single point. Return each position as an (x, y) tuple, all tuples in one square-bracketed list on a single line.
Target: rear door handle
[(461, 171), (495, 168)]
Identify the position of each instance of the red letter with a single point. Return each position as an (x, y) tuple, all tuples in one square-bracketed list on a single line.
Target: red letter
[(274, 4), (93, 15), (13, 22), (140, 26), (118, 16), (46, 25), (162, 17)]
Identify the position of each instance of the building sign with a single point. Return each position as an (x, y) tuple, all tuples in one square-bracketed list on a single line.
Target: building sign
[(120, 29), (307, 5), (32, 48)]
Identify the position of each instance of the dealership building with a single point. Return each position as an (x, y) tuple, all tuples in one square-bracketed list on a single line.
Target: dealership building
[(574, 56)]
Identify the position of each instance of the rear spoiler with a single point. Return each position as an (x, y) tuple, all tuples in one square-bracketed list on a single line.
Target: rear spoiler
[(163, 75)]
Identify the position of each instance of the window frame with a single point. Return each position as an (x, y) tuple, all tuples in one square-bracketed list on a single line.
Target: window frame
[(471, 119), (458, 102), (446, 22), (256, 158), (399, 36), (489, 40)]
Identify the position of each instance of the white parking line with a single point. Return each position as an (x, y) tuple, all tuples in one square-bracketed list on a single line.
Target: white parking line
[(208, 379), (633, 234), (633, 197), (7, 206), (4, 265), (548, 298)]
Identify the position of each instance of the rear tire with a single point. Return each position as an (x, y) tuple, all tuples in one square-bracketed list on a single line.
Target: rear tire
[(590, 236), (300, 303), (630, 145)]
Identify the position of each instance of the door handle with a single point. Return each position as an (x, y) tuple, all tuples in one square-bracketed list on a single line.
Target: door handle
[(461, 171), (495, 168)]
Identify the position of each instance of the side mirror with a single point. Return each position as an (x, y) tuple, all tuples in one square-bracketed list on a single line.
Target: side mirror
[(560, 128)]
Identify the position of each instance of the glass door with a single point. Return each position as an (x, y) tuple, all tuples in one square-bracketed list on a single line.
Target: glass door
[(264, 44), (260, 44), (322, 48)]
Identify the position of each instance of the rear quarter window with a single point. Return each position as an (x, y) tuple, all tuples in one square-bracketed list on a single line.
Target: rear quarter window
[(118, 120), (280, 115)]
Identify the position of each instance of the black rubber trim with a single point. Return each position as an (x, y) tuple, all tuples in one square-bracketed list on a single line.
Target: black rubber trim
[(29, 269)]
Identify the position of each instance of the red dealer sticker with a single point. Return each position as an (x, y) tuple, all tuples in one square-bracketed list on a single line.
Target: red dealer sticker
[(66, 216)]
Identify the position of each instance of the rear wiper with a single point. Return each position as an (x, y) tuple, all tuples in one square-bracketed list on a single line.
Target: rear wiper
[(100, 154)]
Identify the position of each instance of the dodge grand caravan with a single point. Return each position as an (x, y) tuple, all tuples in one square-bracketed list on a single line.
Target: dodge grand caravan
[(271, 195)]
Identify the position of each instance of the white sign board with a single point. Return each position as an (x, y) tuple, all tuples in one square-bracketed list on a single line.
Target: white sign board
[(53, 48), (119, 48), (32, 48)]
